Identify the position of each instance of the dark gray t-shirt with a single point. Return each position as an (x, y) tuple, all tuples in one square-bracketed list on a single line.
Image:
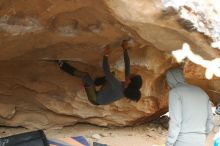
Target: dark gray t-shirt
[(113, 89)]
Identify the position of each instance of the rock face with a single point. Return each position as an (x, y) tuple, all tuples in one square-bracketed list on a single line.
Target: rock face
[(167, 29), (35, 93)]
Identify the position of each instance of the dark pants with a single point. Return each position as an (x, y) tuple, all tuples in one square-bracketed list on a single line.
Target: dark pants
[(88, 82)]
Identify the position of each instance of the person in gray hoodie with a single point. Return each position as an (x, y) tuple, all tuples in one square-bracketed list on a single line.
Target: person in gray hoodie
[(190, 112)]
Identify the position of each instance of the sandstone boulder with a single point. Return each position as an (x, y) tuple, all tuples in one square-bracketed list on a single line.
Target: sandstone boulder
[(35, 93)]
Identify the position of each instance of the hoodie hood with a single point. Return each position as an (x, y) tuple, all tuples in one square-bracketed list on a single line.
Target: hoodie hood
[(175, 77)]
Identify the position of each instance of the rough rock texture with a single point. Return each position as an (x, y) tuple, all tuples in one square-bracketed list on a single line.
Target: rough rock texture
[(167, 30), (35, 93), (196, 76), (204, 16)]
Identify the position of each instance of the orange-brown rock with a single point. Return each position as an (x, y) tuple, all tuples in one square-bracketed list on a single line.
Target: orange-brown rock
[(35, 93), (196, 75)]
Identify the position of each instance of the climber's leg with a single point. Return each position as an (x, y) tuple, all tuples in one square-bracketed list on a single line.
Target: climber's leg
[(70, 70), (86, 78), (90, 88)]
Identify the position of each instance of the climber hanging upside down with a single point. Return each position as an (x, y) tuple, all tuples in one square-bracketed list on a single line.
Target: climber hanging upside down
[(112, 89)]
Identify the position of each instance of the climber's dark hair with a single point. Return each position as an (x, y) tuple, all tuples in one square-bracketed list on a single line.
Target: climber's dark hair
[(136, 82), (133, 94)]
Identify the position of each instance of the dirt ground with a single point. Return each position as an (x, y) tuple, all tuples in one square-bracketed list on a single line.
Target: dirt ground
[(149, 134)]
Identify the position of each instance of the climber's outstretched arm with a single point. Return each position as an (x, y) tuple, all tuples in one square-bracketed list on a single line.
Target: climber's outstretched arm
[(126, 58)]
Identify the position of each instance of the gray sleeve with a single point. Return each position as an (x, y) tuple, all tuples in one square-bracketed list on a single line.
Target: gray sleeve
[(175, 112), (106, 69), (209, 122), (127, 63)]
